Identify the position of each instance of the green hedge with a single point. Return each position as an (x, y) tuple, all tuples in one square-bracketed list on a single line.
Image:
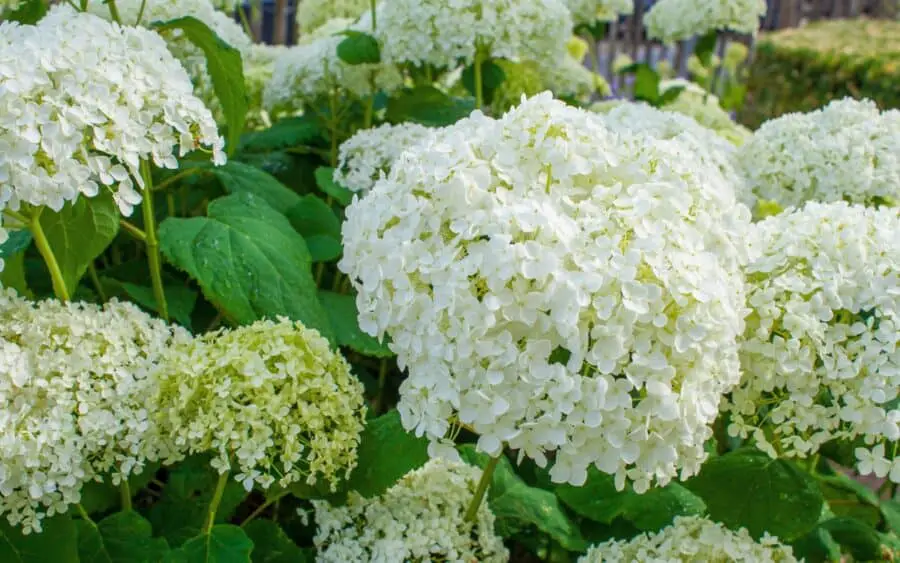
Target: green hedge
[(802, 69)]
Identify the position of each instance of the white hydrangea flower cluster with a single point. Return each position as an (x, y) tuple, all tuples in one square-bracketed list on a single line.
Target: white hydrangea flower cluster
[(421, 518), (556, 287), (676, 20), (641, 118), (695, 102), (441, 33), (74, 383), (591, 11), (368, 155), (824, 290), (844, 151), (83, 102), (569, 77), (312, 14), (690, 539), (259, 66), (312, 70), (270, 399)]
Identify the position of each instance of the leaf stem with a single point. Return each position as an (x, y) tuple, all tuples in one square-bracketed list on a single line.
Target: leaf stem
[(175, 177), (114, 11), (84, 515), (153, 256), (43, 246), (140, 15), (259, 509), (246, 23), (95, 279), (372, 5), (125, 494), (133, 230), (479, 86), (382, 380), (214, 503), (483, 483), (333, 102)]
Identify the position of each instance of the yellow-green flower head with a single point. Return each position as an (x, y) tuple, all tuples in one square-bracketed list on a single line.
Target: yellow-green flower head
[(312, 14), (577, 48), (74, 383), (270, 402)]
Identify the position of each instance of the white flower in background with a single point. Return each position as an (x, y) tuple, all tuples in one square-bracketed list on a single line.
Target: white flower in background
[(690, 539), (441, 33), (369, 154), (74, 383), (270, 401), (313, 70), (847, 150), (591, 11), (259, 66), (820, 351), (9, 5), (556, 287), (569, 77), (695, 102), (312, 14), (421, 518), (83, 102), (676, 20), (643, 119)]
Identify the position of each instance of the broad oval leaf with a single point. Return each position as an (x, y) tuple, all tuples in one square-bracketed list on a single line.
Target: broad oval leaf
[(359, 48), (118, 538), (248, 261), (57, 542), (272, 545), (223, 544), (325, 182), (428, 106)]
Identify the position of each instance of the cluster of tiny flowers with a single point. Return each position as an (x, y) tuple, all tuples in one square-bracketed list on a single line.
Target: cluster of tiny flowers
[(74, 381), (313, 70), (691, 539), (83, 102), (270, 399), (820, 354), (312, 14), (420, 519), (259, 66), (556, 287), (441, 33), (591, 11), (844, 151), (676, 20), (570, 78), (695, 102), (368, 155), (641, 118)]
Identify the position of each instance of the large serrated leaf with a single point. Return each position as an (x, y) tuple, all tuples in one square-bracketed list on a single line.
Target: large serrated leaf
[(223, 62), (123, 537), (248, 261)]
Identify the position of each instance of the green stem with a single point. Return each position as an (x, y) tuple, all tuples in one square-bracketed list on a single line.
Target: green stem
[(486, 476), (382, 380), (125, 493), (114, 11), (84, 515), (153, 256), (479, 87), (333, 102), (246, 23), (214, 503), (140, 15), (372, 4), (174, 178), (95, 279), (133, 230), (43, 246), (259, 509), (170, 203), (370, 110)]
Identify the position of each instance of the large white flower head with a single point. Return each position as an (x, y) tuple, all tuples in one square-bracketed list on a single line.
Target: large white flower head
[(368, 155), (269, 401), (690, 539), (259, 66), (591, 11), (556, 287), (83, 102), (848, 150), (676, 20), (74, 380), (313, 70), (695, 102), (421, 518), (443, 34), (820, 354), (312, 14), (641, 118)]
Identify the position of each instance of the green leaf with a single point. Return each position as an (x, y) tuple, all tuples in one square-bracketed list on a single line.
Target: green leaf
[(320, 227), (428, 106), (747, 488), (272, 545), (324, 248), (181, 510), (223, 544), (248, 261), (29, 12), (325, 182), (863, 542), (12, 252), (343, 314), (890, 509), (290, 132), (705, 47), (57, 543), (817, 545), (850, 498), (670, 95), (240, 178), (386, 453), (223, 62), (599, 500), (492, 76), (180, 300), (124, 537), (359, 48), (646, 84), (97, 497), (515, 504), (79, 233)]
